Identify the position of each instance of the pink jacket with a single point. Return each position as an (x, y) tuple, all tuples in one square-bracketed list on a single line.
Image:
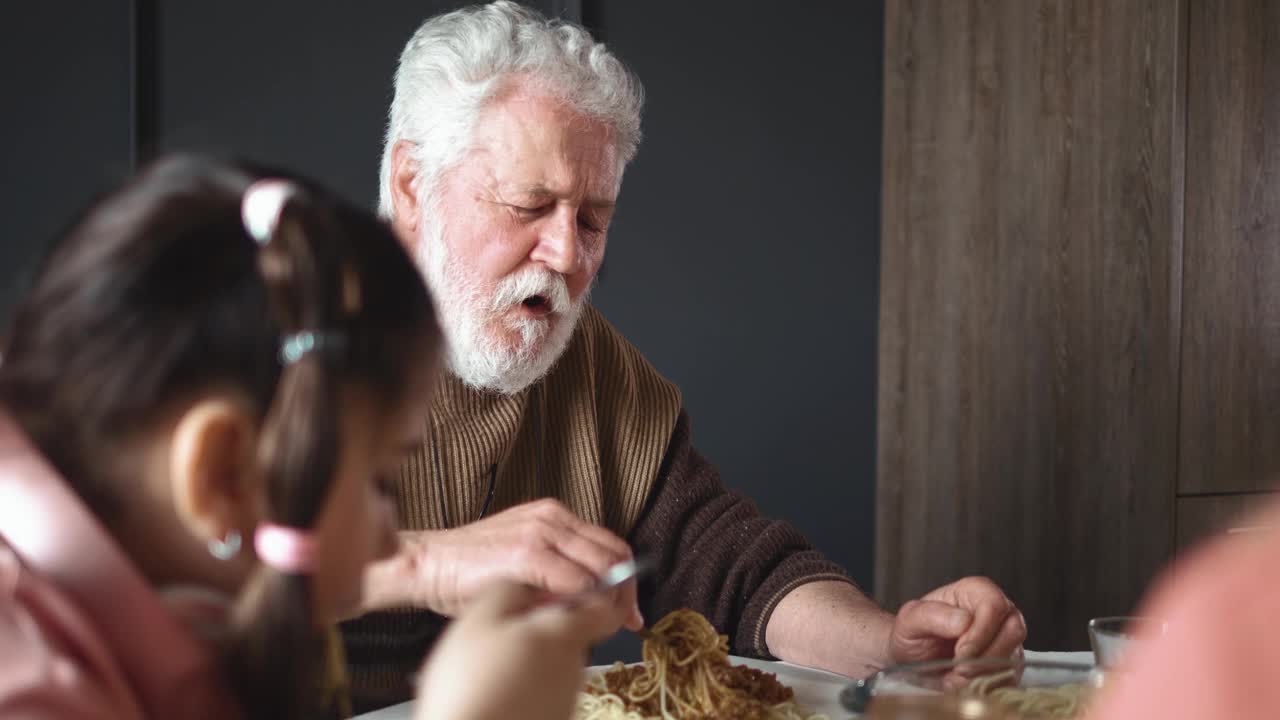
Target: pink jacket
[(1220, 659), (82, 633)]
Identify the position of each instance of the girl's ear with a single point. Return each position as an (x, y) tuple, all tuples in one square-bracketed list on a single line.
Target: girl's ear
[(212, 468)]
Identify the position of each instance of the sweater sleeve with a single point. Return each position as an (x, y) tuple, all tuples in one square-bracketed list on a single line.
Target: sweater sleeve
[(716, 553)]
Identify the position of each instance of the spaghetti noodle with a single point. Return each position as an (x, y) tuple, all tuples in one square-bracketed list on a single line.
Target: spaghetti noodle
[(1066, 701), (686, 675)]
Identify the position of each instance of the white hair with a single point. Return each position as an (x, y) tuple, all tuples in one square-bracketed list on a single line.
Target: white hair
[(456, 63)]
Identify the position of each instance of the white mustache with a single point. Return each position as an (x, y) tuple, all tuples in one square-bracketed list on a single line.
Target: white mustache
[(515, 289)]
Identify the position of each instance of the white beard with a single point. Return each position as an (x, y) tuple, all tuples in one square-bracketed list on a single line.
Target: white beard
[(490, 345)]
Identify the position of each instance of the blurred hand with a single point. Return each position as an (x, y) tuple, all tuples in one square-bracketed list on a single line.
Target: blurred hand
[(541, 544), (512, 654), (969, 618)]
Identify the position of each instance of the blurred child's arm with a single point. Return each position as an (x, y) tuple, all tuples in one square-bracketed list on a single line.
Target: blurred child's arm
[(512, 655)]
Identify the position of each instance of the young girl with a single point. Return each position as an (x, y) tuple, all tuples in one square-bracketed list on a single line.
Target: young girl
[(203, 402)]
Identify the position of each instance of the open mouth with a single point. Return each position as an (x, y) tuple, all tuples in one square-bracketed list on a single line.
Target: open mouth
[(536, 305)]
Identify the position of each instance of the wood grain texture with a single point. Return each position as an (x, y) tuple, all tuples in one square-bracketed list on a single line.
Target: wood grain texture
[(1029, 299), (1230, 431), (1200, 517)]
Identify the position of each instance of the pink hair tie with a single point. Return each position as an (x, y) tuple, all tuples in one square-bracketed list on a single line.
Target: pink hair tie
[(286, 549)]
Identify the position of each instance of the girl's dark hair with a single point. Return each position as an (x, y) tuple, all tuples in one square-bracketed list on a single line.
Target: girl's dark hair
[(158, 292)]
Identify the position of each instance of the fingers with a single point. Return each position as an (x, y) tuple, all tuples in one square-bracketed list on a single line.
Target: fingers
[(614, 545), (1008, 642), (562, 575), (599, 558), (931, 620), (969, 618), (989, 619), (628, 603), (594, 548), (584, 551), (572, 552), (997, 628), (554, 571), (540, 543), (927, 630), (585, 543)]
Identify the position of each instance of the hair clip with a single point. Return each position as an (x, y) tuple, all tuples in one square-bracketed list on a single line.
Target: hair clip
[(297, 345), (262, 204)]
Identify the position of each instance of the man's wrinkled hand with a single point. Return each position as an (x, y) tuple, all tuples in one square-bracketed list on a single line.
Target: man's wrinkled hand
[(968, 618), (541, 544)]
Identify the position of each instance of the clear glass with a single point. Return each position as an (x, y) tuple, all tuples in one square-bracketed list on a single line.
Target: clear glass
[(1113, 638)]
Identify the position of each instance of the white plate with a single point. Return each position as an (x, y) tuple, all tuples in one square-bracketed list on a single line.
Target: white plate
[(817, 690)]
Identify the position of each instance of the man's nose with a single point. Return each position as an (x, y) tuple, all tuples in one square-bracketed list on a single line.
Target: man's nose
[(558, 242)]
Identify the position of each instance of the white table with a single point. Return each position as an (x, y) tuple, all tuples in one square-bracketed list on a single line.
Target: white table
[(816, 689)]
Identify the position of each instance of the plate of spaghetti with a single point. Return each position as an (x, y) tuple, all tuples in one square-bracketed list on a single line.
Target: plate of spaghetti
[(986, 687), (688, 674)]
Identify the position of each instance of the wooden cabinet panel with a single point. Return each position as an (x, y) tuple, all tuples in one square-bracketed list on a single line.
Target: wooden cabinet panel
[(1028, 344), (1230, 436), (1202, 516)]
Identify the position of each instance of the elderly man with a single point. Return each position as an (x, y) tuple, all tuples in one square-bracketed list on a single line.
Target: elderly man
[(554, 449)]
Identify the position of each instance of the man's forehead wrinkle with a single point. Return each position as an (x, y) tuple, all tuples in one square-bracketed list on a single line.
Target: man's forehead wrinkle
[(527, 150)]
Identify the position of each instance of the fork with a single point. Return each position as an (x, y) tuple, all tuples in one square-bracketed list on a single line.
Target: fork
[(615, 576)]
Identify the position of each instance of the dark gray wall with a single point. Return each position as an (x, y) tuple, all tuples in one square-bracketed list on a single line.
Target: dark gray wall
[(66, 119), (302, 84), (744, 259)]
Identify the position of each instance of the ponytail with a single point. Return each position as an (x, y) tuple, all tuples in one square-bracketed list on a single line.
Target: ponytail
[(276, 657)]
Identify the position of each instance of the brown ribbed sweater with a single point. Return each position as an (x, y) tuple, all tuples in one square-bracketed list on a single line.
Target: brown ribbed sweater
[(603, 433)]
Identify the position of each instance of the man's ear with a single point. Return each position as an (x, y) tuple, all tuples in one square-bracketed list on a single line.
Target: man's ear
[(405, 210), (212, 468)]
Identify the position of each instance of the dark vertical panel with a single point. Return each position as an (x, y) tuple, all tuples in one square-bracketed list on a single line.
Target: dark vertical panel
[(1201, 517), (1028, 350), (145, 87), (1231, 341), (66, 121), (303, 85), (744, 256)]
